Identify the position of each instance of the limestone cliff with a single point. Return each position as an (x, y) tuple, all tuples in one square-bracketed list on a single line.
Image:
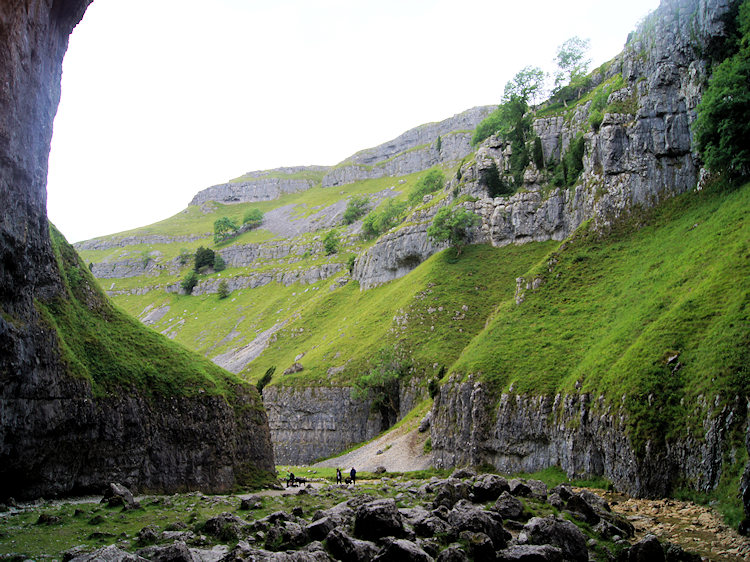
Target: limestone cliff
[(636, 158), (61, 431)]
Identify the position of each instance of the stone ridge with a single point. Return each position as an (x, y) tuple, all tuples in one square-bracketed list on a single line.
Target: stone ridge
[(413, 151), (264, 185)]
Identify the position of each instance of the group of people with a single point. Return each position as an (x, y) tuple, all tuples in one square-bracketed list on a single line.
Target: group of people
[(352, 479), (352, 476)]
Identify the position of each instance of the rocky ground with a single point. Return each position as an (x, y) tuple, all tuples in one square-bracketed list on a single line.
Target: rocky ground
[(465, 516)]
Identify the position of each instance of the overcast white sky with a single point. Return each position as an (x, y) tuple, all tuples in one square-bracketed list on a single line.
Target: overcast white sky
[(162, 98)]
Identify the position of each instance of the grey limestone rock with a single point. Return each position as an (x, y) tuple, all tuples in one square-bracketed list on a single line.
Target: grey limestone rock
[(562, 534), (343, 547), (378, 519), (399, 550)]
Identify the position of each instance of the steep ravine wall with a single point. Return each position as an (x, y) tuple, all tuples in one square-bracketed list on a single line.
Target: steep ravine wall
[(582, 434), (309, 423), (56, 436)]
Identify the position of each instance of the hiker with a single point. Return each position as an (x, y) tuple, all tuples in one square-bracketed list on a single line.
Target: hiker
[(290, 480), (338, 476), (353, 475)]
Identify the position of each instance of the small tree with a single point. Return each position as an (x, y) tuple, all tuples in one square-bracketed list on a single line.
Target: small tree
[(204, 257), (355, 208), (223, 290), (219, 263), (265, 379), (452, 224), (538, 153), (492, 179), (253, 218), (439, 144), (224, 228), (527, 84), (331, 242), (189, 282), (571, 60)]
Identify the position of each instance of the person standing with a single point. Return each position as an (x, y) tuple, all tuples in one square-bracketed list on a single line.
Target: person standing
[(353, 475), (338, 476)]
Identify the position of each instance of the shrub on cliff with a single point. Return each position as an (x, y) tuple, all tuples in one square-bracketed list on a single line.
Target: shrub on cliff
[(331, 242), (378, 222), (452, 225), (189, 282), (355, 208), (432, 181)]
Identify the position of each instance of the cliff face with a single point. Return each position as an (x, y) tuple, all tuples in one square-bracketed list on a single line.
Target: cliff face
[(580, 433), (57, 435), (638, 156)]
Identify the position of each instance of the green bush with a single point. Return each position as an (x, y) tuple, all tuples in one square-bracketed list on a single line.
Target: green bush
[(432, 181), (573, 160), (219, 263), (378, 222), (189, 282), (355, 208), (204, 257), (331, 242), (538, 153), (223, 290), (494, 183), (350, 262), (595, 119), (224, 228), (452, 224), (253, 218)]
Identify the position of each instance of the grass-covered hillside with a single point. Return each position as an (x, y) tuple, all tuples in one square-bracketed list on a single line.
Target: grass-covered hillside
[(112, 350)]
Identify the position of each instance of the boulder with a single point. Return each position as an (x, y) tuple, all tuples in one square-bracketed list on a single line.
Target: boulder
[(538, 489), (319, 529), (225, 526), (530, 553), (648, 549), (402, 550), (451, 491), (562, 534), (343, 547), (453, 553), (466, 517), (176, 552), (464, 473), (251, 502), (286, 535), (377, 519), (479, 545), (117, 494), (509, 507), (488, 487), (519, 488), (582, 510)]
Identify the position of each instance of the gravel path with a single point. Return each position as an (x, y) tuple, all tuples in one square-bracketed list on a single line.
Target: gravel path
[(400, 450)]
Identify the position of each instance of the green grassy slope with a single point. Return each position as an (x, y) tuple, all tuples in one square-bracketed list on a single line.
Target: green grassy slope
[(105, 345), (616, 314)]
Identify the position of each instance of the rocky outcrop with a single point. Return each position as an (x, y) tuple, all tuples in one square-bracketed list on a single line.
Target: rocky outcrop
[(57, 436), (264, 185), (583, 435), (415, 150)]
